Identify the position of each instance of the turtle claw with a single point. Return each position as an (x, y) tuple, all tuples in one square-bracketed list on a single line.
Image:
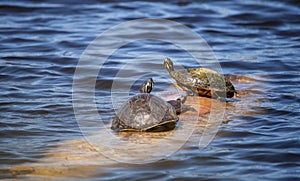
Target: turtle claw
[(185, 108), (190, 93)]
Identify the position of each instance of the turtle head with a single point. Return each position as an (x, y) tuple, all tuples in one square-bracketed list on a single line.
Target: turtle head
[(147, 86), (169, 64)]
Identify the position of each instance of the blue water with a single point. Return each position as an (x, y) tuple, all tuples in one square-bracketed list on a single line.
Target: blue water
[(255, 41)]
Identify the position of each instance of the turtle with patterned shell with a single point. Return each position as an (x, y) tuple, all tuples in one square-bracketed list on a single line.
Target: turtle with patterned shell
[(146, 112), (201, 81)]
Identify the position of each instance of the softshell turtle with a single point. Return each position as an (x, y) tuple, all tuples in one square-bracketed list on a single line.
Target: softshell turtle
[(146, 112), (202, 81)]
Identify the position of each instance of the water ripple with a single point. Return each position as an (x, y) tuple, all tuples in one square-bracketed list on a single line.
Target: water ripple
[(256, 42)]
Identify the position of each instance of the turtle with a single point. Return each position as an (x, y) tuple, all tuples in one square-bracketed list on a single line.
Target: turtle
[(201, 81), (146, 112)]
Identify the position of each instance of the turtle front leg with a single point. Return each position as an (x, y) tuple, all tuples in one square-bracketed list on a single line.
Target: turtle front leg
[(188, 91)]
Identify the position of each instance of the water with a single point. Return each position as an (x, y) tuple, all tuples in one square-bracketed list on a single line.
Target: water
[(255, 41)]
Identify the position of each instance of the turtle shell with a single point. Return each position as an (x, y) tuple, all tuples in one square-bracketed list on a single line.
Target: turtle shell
[(204, 82), (145, 112)]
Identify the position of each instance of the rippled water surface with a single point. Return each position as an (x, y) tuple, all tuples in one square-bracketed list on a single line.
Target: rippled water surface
[(256, 42)]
